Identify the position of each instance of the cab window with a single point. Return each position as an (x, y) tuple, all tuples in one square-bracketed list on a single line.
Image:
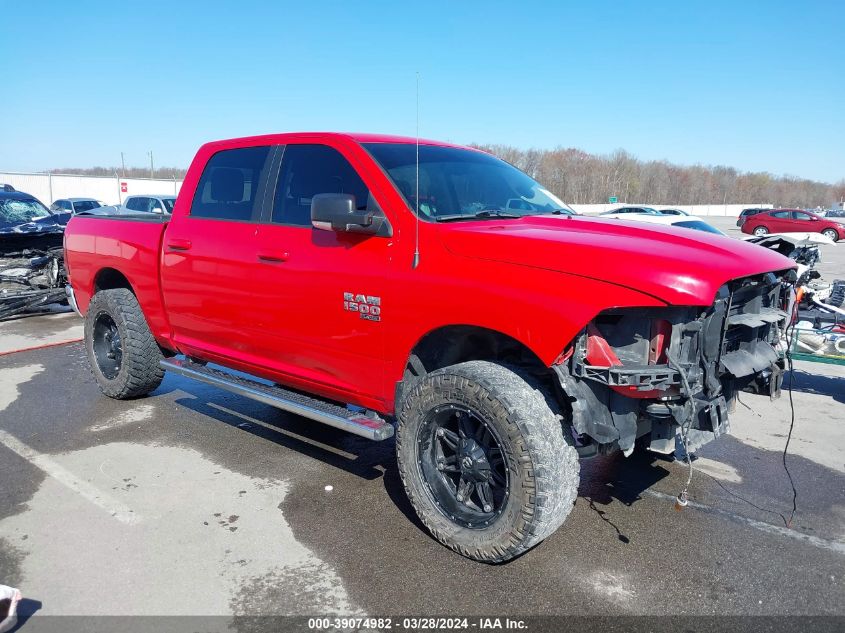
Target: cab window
[(85, 205), (230, 185), (307, 170), (137, 204)]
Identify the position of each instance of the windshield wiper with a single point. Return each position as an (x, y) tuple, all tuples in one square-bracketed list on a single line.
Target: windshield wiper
[(554, 212), (481, 215)]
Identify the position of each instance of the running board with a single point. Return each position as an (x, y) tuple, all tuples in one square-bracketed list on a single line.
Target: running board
[(366, 425)]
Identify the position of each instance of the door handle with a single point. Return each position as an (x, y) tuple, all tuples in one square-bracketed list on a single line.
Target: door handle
[(179, 245), (274, 257)]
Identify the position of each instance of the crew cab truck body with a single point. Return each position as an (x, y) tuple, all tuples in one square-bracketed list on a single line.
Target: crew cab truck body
[(450, 297)]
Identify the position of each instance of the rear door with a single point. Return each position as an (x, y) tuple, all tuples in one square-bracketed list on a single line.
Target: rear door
[(320, 290), (209, 263), (775, 221)]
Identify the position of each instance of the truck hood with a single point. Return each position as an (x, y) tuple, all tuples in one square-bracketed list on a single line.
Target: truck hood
[(676, 265)]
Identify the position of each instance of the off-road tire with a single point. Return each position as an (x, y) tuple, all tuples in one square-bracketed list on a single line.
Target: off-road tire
[(543, 469), (140, 372)]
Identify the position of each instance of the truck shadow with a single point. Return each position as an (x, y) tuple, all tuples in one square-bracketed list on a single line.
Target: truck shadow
[(354, 455), (831, 386), (357, 456), (603, 478), (606, 478)]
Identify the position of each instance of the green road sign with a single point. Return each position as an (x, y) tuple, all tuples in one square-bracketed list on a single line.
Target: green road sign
[(611, 200)]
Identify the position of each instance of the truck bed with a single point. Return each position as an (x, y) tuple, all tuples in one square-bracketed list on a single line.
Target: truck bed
[(98, 246)]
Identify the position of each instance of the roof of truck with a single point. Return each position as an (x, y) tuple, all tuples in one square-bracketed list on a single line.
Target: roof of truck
[(358, 137)]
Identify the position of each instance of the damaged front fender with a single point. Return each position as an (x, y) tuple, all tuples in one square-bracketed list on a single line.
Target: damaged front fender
[(622, 385)]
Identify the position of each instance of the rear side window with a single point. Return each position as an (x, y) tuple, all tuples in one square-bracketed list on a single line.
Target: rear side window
[(230, 185), (783, 215), (86, 205), (136, 204), (308, 170)]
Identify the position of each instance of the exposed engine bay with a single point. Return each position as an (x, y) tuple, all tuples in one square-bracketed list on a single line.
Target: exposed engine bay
[(32, 272), (649, 375)]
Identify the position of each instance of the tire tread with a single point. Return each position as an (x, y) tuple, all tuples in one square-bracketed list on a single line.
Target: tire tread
[(550, 463), (141, 372)]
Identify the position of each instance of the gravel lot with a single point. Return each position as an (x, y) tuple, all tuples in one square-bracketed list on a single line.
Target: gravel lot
[(195, 501)]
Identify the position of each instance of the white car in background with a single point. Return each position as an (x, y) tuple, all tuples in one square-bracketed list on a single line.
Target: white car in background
[(628, 211), (682, 221), (150, 203)]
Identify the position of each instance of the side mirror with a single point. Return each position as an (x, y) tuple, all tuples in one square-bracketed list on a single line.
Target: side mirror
[(338, 212)]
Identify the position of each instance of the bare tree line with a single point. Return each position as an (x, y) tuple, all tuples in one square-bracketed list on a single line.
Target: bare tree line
[(578, 177), (164, 173)]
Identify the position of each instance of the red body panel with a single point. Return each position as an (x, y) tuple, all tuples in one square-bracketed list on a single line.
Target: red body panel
[(539, 280), (93, 246)]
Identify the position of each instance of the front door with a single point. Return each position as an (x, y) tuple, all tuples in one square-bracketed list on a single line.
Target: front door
[(321, 291), (801, 221)]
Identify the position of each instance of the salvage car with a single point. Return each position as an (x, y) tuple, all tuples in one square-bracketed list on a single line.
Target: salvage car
[(679, 221), (626, 211), (31, 256), (382, 284), (793, 221), (747, 213), (65, 208)]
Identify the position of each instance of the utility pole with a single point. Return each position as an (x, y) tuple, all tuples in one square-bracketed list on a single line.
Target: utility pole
[(152, 169), (122, 165)]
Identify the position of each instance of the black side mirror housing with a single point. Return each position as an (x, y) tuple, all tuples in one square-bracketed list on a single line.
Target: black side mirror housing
[(338, 212)]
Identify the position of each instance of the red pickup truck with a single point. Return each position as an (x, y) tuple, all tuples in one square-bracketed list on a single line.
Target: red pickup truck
[(376, 282)]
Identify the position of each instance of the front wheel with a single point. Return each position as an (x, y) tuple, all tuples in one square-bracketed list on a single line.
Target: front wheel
[(831, 234), (485, 461), (760, 231)]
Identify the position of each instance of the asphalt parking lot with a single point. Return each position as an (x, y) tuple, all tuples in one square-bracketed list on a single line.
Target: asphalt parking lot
[(196, 501)]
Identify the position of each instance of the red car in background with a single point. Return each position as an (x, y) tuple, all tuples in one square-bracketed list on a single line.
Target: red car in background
[(792, 221)]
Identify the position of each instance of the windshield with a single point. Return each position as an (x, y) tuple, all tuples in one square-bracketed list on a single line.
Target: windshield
[(457, 182), (85, 205), (20, 211), (698, 225), (168, 204)]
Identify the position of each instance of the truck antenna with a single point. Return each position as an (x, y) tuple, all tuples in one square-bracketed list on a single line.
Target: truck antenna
[(417, 198)]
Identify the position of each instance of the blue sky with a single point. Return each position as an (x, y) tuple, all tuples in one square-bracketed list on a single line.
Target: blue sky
[(756, 85)]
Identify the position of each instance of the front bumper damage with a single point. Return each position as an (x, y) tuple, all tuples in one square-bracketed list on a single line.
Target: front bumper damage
[(644, 374)]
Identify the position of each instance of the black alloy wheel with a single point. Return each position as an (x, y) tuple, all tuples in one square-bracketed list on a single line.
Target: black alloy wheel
[(108, 348), (463, 466)]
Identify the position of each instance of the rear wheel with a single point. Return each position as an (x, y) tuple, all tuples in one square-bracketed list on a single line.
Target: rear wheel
[(761, 230), (484, 460), (831, 234), (122, 352)]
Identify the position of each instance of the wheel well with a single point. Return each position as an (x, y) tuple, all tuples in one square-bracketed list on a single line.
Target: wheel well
[(460, 343), (109, 279)]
